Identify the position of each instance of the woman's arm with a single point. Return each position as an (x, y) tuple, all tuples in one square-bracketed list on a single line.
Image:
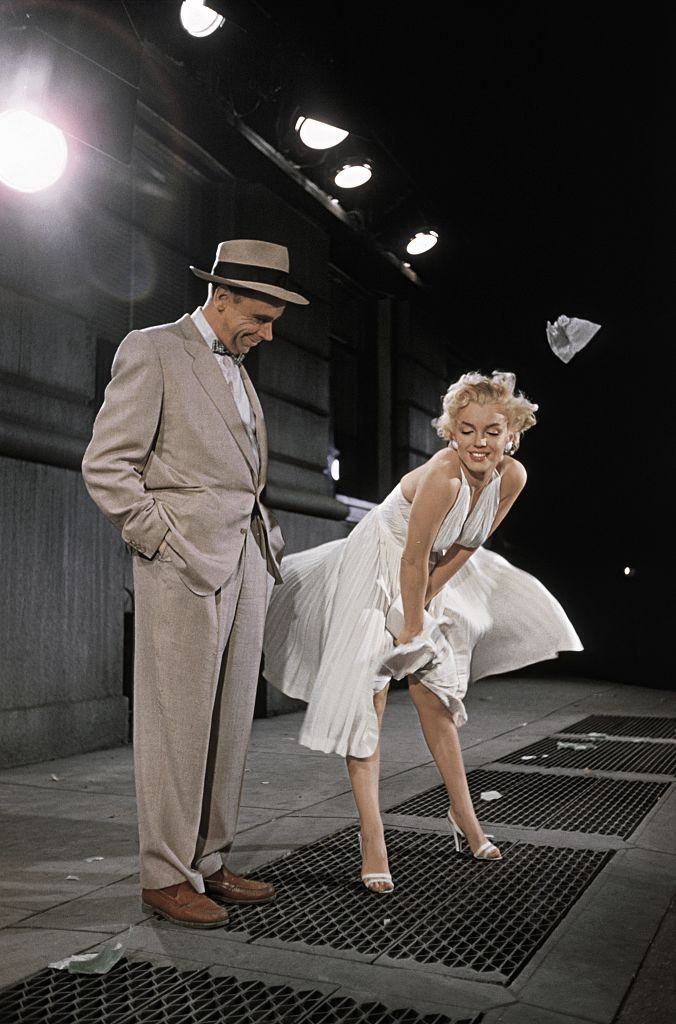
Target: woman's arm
[(512, 483), (435, 496)]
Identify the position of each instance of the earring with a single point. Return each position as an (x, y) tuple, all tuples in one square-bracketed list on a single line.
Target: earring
[(454, 444), (508, 447)]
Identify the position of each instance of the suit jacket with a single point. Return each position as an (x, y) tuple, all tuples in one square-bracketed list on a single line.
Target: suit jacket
[(170, 457)]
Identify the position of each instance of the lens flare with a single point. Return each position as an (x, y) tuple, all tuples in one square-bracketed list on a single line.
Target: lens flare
[(33, 152)]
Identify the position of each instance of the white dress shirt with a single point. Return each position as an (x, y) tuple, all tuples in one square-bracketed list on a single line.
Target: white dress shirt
[(234, 378)]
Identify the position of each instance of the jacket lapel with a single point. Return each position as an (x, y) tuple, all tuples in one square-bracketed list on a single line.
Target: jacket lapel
[(208, 372), (261, 432)]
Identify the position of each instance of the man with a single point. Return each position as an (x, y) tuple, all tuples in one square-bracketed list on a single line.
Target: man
[(177, 462)]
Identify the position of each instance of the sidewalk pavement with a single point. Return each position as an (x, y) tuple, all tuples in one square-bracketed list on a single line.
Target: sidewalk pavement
[(605, 953)]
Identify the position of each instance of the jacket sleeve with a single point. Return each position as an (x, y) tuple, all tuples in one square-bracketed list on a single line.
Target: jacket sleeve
[(124, 434)]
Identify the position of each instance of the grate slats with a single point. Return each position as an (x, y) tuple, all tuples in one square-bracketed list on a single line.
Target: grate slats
[(499, 922), (625, 725), (221, 1000), (344, 1011), (57, 997), (601, 755), (536, 800), (139, 993), (321, 902)]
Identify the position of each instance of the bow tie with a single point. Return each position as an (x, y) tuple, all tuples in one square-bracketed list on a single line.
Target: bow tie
[(220, 350)]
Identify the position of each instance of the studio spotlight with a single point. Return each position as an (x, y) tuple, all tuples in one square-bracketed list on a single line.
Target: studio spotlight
[(332, 467), (353, 175), (422, 242), (318, 134), (199, 20), (33, 152)]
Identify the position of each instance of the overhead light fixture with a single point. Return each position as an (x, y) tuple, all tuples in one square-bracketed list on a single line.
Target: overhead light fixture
[(353, 175), (422, 242), (199, 20), (33, 152), (318, 134)]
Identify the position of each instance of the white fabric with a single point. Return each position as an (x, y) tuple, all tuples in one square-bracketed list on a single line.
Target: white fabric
[(326, 640), (234, 378)]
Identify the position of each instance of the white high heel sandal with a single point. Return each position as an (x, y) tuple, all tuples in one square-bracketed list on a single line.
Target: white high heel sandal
[(484, 851), (373, 877)]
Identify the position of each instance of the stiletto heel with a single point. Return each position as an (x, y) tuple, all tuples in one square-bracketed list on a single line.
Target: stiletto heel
[(484, 851), (371, 878)]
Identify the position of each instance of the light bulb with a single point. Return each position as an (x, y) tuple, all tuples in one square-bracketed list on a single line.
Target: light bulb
[(199, 20), (318, 134), (422, 242), (353, 175), (33, 152)]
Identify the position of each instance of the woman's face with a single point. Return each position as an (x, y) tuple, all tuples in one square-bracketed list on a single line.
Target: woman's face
[(481, 433)]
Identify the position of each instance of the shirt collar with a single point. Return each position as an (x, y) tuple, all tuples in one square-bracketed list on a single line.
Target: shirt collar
[(203, 326)]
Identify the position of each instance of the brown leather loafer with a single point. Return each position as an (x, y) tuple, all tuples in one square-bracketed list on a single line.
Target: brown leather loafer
[(180, 904), (233, 888)]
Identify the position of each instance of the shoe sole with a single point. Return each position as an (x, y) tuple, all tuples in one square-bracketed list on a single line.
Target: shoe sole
[(183, 924), (238, 903)]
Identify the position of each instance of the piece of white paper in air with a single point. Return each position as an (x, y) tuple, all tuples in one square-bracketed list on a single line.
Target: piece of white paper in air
[(574, 746), (568, 335), (490, 794)]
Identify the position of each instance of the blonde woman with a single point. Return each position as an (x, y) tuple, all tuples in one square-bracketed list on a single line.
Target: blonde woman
[(411, 592)]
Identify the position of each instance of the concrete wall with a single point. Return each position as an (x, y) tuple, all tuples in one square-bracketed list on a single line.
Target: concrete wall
[(420, 377)]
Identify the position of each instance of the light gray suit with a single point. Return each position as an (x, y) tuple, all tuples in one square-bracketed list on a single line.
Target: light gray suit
[(170, 459)]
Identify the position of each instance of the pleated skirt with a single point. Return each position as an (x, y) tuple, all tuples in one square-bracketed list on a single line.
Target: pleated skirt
[(326, 641)]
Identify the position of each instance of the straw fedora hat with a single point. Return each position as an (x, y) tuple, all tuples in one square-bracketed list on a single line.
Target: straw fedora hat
[(256, 266)]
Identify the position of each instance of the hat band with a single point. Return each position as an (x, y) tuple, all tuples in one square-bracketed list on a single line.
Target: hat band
[(243, 272)]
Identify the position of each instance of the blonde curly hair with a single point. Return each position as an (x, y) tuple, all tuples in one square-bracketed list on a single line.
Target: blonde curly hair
[(499, 389)]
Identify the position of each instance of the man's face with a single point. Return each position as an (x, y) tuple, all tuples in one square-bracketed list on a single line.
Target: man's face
[(242, 322)]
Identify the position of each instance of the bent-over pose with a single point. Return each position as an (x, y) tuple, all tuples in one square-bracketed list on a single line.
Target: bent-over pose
[(411, 592)]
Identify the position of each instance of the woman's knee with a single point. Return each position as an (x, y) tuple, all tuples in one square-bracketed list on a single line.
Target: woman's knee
[(423, 698)]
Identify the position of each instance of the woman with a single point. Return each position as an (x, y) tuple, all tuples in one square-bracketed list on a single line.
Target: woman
[(411, 592)]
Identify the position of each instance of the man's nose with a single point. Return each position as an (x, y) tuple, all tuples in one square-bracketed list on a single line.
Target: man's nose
[(266, 332)]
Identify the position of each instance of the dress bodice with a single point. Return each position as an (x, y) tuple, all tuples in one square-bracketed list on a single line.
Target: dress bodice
[(460, 526)]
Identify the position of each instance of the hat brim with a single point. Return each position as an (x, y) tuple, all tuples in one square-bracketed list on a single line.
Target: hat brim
[(254, 286)]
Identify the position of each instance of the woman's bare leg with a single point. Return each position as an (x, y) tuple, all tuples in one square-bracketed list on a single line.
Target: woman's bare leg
[(364, 775), (441, 736)]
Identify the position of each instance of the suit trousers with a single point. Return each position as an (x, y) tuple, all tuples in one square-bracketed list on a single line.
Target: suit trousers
[(196, 670)]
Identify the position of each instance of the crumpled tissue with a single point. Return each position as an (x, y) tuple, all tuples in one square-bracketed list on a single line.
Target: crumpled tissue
[(95, 963)]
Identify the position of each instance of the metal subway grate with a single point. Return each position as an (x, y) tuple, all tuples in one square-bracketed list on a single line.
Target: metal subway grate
[(486, 918), (341, 1010), (57, 997), (138, 993), (625, 725), (602, 755), (574, 803)]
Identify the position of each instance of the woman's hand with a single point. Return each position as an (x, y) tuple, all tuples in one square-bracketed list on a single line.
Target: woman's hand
[(407, 635)]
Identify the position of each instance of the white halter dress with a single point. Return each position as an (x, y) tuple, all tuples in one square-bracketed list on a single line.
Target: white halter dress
[(326, 640)]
